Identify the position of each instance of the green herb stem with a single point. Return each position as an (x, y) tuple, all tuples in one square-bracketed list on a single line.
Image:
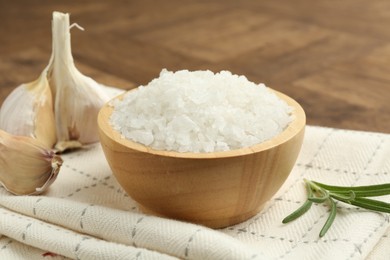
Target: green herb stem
[(360, 191), (320, 193)]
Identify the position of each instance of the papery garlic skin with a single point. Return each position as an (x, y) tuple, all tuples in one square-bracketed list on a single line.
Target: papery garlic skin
[(29, 111), (26, 166), (78, 98), (60, 108)]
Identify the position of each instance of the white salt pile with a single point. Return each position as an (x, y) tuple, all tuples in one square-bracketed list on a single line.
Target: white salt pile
[(200, 112)]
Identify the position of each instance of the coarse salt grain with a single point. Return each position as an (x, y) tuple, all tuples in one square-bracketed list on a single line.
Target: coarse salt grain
[(200, 111)]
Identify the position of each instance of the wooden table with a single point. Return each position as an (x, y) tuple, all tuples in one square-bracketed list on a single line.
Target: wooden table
[(331, 56)]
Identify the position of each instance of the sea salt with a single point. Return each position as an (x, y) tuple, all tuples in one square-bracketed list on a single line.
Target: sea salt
[(200, 111)]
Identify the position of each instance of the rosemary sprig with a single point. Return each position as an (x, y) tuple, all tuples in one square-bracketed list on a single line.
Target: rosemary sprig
[(320, 193)]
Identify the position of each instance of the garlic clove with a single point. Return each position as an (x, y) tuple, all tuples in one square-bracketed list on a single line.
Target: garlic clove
[(78, 98), (28, 111), (26, 166)]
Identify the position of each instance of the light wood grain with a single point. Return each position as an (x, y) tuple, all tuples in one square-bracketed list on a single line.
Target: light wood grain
[(214, 189)]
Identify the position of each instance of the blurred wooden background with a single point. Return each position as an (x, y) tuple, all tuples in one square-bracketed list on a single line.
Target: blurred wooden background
[(331, 56)]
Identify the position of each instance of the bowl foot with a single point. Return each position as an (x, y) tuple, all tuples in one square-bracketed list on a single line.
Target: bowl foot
[(211, 223)]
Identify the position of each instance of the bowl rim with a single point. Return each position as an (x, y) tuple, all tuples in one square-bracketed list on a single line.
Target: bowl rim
[(291, 130)]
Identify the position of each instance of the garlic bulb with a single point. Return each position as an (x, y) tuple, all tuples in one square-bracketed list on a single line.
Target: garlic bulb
[(78, 98), (28, 111), (26, 166), (60, 108)]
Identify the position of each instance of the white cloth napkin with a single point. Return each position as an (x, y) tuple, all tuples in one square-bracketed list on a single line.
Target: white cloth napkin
[(86, 214)]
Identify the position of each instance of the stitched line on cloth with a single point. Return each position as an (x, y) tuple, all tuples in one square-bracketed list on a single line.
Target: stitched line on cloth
[(6, 244), (370, 160), (328, 169), (102, 181), (360, 132), (187, 248), (25, 230), (304, 235), (356, 179), (289, 200), (80, 172), (82, 215), (35, 204), (291, 240), (320, 147), (343, 207), (358, 247), (138, 255), (78, 154), (78, 246), (39, 222), (134, 231)]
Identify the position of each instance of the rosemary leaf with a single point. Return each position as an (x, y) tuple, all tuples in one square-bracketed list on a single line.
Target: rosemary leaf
[(371, 204), (302, 209), (332, 216), (360, 191), (299, 212)]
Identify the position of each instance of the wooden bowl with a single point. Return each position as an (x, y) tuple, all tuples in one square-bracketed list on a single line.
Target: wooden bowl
[(213, 189)]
